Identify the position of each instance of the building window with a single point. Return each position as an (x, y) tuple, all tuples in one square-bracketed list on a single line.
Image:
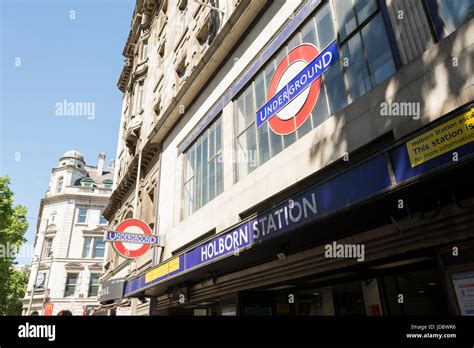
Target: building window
[(455, 13), (365, 61), (183, 24), (82, 216), (71, 284), (140, 96), (93, 285), (87, 247), (365, 48), (99, 248), (102, 221), (93, 247), (59, 185), (350, 15), (145, 49), (48, 246), (203, 169), (40, 281)]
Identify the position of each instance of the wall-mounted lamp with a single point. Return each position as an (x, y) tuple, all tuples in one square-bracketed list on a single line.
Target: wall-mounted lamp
[(281, 255)]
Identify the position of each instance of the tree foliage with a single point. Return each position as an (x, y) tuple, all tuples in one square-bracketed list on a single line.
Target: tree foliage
[(13, 226), (16, 288)]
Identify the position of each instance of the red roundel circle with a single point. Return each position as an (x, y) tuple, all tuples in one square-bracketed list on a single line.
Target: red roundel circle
[(296, 112), (132, 250)]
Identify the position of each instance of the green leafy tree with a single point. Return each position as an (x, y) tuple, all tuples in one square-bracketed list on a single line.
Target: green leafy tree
[(13, 226), (16, 289)]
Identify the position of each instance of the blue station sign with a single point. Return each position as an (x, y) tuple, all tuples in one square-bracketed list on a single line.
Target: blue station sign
[(338, 192)]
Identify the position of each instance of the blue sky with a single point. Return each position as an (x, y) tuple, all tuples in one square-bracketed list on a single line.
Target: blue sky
[(78, 60)]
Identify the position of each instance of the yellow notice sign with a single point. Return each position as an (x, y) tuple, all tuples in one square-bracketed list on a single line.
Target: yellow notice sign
[(162, 270), (446, 137)]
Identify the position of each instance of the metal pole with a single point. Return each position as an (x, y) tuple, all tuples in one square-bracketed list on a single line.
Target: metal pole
[(37, 268), (210, 6), (156, 208), (135, 203)]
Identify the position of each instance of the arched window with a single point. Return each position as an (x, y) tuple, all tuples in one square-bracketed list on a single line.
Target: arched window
[(59, 185)]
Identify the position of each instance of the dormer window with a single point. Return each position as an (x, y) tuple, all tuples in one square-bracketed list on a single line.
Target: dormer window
[(87, 181), (107, 182)]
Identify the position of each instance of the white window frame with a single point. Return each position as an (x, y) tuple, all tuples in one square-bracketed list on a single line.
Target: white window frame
[(76, 285), (140, 95), (79, 215), (145, 49), (92, 247), (47, 252), (59, 184), (90, 284)]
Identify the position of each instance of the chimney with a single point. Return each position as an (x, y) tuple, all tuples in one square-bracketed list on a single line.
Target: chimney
[(100, 163)]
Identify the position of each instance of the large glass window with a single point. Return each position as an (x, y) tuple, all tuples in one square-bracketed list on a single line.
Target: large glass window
[(94, 285), (455, 13), (365, 61), (366, 52), (352, 13), (71, 284), (203, 169)]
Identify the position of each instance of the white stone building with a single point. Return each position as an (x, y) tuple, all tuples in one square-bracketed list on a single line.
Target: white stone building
[(69, 246)]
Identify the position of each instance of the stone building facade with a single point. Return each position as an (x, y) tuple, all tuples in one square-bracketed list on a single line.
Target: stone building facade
[(196, 163), (69, 246)]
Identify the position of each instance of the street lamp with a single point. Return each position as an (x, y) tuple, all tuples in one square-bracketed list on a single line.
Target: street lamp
[(210, 6), (40, 257)]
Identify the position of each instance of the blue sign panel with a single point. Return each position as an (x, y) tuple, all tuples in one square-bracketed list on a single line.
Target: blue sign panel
[(299, 83), (348, 188), (225, 244)]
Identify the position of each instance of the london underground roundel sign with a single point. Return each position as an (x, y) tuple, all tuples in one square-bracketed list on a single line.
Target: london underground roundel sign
[(294, 88), (132, 238)]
